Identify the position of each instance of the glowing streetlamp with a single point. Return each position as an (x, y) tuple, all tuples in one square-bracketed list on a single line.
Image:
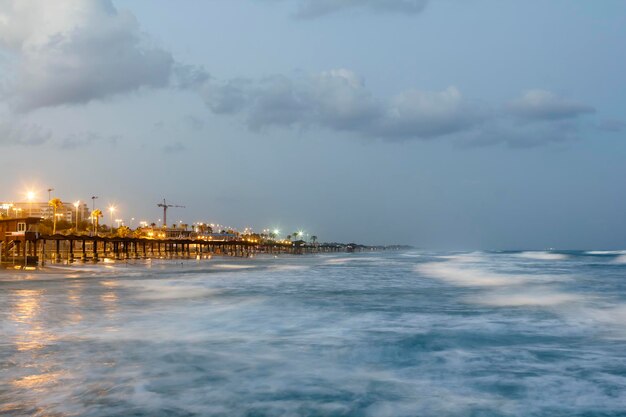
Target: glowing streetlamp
[(30, 196), (111, 211), (76, 204)]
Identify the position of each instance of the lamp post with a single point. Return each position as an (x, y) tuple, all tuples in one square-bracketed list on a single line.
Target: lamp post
[(93, 207), (76, 204), (30, 196), (112, 210)]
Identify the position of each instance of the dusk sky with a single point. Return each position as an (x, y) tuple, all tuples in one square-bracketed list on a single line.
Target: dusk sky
[(454, 124)]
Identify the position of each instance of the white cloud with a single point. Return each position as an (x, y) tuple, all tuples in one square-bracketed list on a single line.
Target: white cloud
[(75, 51), (546, 105), (427, 114), (338, 100)]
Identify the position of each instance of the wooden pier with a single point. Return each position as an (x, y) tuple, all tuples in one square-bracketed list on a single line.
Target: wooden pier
[(68, 249)]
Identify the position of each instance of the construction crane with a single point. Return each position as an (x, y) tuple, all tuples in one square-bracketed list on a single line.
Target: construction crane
[(165, 207)]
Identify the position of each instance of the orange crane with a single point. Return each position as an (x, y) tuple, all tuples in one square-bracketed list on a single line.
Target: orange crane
[(165, 207)]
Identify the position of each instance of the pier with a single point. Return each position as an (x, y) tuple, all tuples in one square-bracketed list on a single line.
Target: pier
[(68, 249), (23, 246)]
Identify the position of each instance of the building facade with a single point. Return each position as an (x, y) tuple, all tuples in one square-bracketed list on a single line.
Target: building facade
[(42, 210)]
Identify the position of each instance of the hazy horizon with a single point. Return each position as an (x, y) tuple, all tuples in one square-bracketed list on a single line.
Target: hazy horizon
[(438, 124)]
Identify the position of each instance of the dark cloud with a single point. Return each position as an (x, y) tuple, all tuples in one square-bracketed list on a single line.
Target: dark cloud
[(75, 51), (545, 105), (316, 8)]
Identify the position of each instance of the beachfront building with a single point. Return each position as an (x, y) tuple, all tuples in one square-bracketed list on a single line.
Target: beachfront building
[(18, 237), (42, 210)]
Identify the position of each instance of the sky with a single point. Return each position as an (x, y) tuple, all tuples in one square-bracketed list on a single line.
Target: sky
[(444, 124)]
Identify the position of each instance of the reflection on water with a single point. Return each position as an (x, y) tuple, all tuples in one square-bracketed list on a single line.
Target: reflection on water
[(389, 334), (37, 382), (26, 305), (31, 335), (26, 312), (109, 301)]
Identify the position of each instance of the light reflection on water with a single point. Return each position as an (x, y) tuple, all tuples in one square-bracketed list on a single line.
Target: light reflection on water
[(390, 334)]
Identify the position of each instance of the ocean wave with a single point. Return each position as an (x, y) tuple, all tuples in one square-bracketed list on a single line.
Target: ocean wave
[(620, 259), (289, 267), (606, 252), (233, 266), (345, 260), (535, 297), (542, 256), (463, 275)]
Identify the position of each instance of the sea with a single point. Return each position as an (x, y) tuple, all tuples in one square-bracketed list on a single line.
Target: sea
[(406, 333)]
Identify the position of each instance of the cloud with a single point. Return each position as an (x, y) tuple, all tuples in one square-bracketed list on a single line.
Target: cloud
[(27, 134), (316, 8), (75, 51), (338, 100), (611, 125), (74, 141), (524, 136), (194, 122), (418, 114), (545, 105), (175, 147)]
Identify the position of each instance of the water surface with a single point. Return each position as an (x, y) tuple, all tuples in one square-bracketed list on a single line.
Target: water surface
[(376, 334)]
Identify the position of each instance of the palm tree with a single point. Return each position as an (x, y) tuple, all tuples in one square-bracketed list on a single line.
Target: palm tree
[(123, 231), (95, 216), (56, 204), (288, 237), (313, 238)]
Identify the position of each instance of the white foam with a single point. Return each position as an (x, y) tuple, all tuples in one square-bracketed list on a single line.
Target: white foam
[(525, 298), (464, 275), (606, 252), (340, 261), (233, 266), (542, 256), (289, 267), (620, 259)]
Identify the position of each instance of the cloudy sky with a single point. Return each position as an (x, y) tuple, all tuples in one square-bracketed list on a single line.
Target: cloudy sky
[(437, 123)]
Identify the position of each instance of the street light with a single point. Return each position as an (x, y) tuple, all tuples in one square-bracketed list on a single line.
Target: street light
[(76, 204), (112, 210), (93, 207), (30, 196)]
